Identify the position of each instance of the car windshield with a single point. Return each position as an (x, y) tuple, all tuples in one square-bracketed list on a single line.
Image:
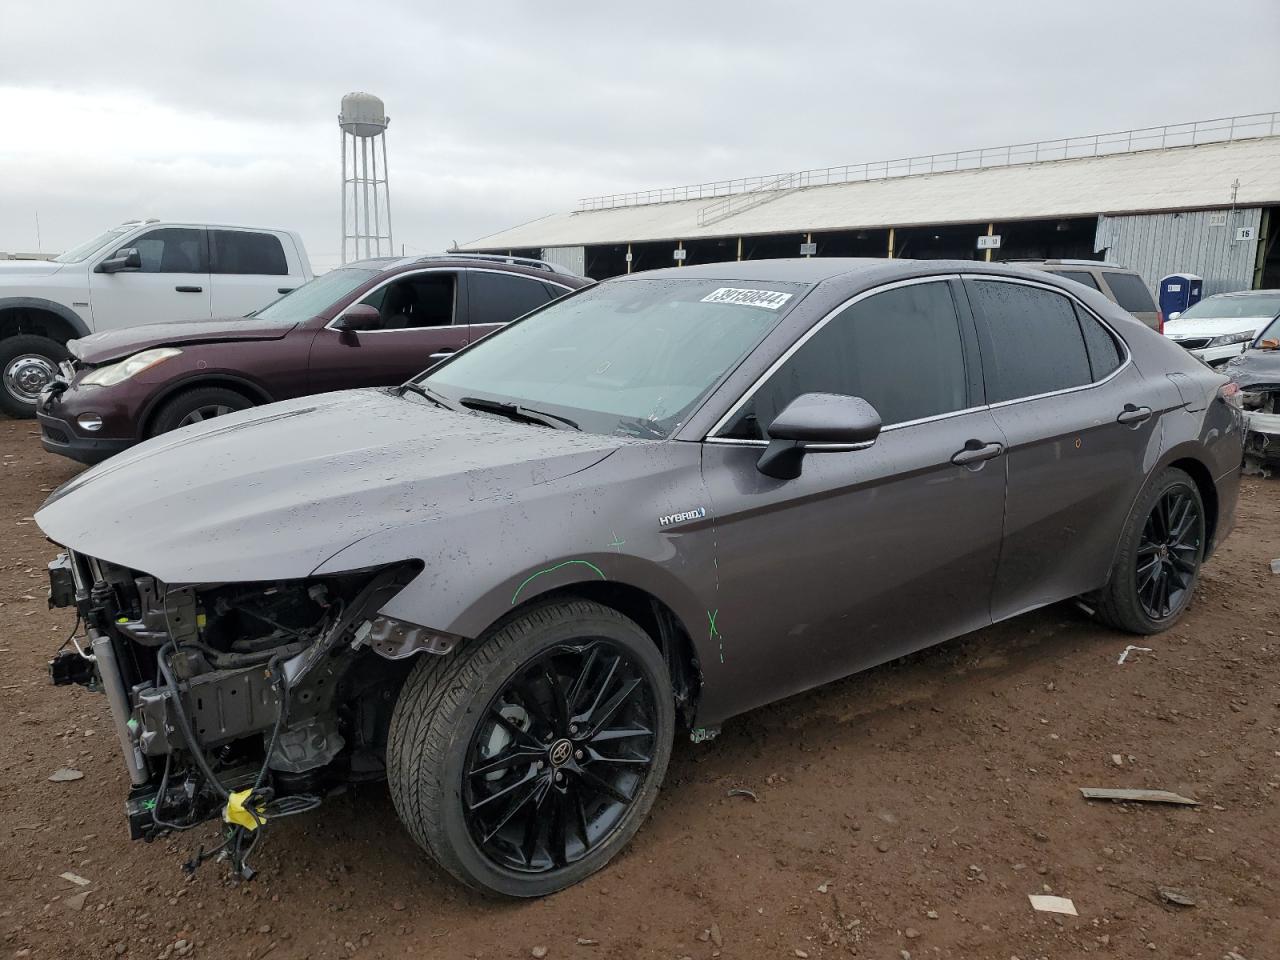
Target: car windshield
[(87, 249), (306, 301), (1257, 305), (630, 357)]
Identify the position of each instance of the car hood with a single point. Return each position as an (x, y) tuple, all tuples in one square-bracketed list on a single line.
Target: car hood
[(272, 492), (1255, 368), (28, 268), (1214, 326), (118, 344)]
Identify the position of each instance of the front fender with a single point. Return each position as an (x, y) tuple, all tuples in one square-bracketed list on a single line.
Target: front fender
[(600, 525)]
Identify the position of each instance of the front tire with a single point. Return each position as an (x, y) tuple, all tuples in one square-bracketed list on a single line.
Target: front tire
[(1161, 549), (28, 364), (526, 760), (198, 405)]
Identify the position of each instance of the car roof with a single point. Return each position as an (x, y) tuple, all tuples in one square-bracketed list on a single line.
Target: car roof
[(815, 270), (1243, 293), (518, 266)]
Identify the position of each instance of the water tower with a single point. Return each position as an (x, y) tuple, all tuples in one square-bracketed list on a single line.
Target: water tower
[(366, 202)]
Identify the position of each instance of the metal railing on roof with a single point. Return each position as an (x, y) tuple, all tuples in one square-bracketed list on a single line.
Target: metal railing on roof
[(1220, 130)]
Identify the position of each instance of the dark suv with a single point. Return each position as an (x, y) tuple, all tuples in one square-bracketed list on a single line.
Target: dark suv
[(367, 324)]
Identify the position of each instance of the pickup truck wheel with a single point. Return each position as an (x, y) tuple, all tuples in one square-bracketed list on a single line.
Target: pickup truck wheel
[(28, 363), (198, 405), (526, 760)]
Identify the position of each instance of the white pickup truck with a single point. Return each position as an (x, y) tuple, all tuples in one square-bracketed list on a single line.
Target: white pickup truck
[(143, 271)]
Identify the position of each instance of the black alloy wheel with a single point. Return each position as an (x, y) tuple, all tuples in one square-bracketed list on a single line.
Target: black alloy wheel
[(1168, 554), (562, 752), (1157, 563), (526, 759)]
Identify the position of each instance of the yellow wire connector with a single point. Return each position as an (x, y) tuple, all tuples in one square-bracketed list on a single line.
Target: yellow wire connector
[(236, 812)]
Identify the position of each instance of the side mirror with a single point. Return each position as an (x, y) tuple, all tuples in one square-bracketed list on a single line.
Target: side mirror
[(817, 422), (1175, 315), (359, 316), (126, 258)]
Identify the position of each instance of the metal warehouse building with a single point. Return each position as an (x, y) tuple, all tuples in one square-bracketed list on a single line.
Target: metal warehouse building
[(1200, 198)]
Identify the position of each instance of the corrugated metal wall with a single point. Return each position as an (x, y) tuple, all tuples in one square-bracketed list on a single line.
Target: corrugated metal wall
[(571, 258), (1158, 244)]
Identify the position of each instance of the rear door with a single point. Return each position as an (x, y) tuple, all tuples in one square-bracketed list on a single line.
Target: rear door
[(496, 298), (171, 284), (868, 554), (248, 270), (422, 320), (1079, 426)]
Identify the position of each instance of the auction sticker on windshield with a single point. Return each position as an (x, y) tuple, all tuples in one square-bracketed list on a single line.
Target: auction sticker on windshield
[(769, 299)]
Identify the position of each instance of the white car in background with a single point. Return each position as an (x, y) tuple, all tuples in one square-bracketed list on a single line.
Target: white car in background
[(143, 271), (1222, 326)]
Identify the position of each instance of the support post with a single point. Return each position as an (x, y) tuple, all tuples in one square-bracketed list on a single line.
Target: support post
[(991, 229), (739, 248), (628, 258), (891, 243)]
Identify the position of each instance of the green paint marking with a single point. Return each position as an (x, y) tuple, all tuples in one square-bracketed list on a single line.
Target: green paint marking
[(149, 804), (715, 633), (558, 566), (617, 541)]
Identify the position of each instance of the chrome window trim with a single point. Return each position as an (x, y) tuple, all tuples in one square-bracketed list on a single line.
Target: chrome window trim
[(1124, 346), (414, 273)]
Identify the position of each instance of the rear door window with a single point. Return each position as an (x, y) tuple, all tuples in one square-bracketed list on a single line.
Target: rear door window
[(238, 251), (1080, 276), (1030, 338), (501, 297), (1130, 292), (900, 350)]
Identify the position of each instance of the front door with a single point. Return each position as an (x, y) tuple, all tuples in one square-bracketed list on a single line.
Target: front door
[(1081, 425), (422, 319), (172, 283), (869, 554)]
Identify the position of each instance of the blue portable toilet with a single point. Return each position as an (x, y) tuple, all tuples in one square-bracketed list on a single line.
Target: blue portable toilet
[(1179, 291)]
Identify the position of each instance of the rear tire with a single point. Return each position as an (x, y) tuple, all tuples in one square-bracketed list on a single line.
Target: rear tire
[(27, 364), (1158, 565), (195, 406), (475, 732)]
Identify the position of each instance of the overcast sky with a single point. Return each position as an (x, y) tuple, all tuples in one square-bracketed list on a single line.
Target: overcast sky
[(502, 112)]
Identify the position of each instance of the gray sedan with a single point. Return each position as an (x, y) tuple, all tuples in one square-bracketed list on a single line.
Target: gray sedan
[(649, 506)]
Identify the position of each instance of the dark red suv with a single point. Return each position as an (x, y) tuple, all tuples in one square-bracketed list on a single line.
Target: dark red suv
[(367, 324)]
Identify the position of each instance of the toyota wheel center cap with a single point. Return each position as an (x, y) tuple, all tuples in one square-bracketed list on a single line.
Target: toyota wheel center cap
[(560, 752)]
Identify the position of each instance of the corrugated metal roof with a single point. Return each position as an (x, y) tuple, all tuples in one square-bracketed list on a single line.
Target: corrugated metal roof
[(1177, 178)]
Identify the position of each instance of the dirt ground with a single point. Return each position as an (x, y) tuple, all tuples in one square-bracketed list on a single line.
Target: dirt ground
[(908, 811)]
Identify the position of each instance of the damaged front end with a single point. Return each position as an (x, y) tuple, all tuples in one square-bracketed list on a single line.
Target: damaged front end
[(1261, 404), (247, 701)]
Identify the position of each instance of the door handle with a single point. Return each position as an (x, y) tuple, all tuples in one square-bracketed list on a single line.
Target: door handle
[(1134, 415), (189, 289), (976, 451), (284, 289)]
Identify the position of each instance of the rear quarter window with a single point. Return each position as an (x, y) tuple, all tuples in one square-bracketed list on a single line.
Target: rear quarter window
[(1130, 292)]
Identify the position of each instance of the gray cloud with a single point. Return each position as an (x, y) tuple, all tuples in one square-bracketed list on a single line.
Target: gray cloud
[(502, 112)]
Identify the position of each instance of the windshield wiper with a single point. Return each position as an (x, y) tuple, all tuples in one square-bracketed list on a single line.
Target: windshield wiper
[(514, 411), (410, 387)]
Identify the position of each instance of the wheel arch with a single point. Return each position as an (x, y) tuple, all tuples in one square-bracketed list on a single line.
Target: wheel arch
[(653, 615), (40, 317), (252, 391), (1185, 458)]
